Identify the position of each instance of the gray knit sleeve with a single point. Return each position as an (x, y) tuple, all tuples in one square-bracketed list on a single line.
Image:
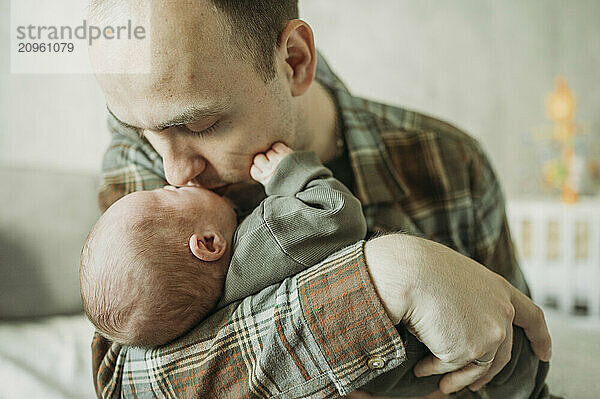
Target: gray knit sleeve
[(307, 216)]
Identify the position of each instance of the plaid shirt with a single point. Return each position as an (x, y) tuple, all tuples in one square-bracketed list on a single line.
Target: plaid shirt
[(324, 332)]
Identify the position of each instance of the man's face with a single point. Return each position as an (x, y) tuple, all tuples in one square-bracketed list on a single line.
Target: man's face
[(205, 110)]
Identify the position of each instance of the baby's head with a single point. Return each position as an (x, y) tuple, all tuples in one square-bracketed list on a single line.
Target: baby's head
[(155, 263)]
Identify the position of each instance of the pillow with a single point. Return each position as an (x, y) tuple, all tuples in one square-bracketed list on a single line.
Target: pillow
[(44, 219)]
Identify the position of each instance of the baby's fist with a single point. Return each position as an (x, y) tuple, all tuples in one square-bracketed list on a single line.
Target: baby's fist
[(264, 165)]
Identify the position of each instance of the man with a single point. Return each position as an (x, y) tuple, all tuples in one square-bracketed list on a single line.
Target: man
[(228, 79)]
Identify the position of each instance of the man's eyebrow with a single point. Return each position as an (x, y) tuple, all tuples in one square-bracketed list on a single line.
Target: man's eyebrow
[(190, 115), (193, 114), (123, 123)]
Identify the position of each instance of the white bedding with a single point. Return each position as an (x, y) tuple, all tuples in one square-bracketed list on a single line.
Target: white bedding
[(48, 358)]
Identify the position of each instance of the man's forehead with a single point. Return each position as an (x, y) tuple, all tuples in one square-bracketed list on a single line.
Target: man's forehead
[(188, 68), (179, 35), (162, 10), (186, 19)]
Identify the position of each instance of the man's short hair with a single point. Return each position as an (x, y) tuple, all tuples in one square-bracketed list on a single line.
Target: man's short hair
[(255, 28)]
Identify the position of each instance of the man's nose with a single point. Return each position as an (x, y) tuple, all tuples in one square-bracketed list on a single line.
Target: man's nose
[(180, 169)]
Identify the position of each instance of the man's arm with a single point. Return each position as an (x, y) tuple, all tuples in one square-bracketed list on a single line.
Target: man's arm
[(450, 302), (484, 236), (300, 338), (492, 247)]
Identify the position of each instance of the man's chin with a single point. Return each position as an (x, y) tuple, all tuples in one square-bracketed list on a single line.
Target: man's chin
[(245, 196), (222, 191)]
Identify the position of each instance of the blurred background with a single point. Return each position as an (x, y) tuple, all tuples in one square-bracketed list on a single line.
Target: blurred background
[(522, 76)]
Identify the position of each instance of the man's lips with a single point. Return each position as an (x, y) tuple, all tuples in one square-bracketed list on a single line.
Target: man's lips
[(217, 188), (221, 190)]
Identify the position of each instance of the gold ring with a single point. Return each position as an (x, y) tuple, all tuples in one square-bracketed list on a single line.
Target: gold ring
[(483, 362)]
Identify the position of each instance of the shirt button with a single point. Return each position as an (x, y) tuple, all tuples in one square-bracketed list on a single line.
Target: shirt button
[(376, 362)]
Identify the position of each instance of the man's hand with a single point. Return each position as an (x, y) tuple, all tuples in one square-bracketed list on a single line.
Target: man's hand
[(460, 310), (264, 165)]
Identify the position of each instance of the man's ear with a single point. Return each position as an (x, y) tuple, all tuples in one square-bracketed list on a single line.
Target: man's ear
[(297, 47), (209, 247)]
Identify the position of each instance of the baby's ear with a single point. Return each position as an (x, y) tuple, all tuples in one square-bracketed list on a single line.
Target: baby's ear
[(209, 247)]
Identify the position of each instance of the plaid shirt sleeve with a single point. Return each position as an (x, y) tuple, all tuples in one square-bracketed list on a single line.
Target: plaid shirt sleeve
[(322, 333)]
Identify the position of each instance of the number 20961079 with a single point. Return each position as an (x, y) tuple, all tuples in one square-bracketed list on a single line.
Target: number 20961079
[(46, 47)]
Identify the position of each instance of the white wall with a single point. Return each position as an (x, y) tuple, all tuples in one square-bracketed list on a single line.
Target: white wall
[(53, 122), (484, 65)]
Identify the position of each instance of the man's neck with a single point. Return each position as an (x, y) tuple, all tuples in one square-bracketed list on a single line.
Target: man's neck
[(321, 122)]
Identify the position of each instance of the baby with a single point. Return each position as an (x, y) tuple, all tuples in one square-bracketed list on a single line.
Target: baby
[(159, 261)]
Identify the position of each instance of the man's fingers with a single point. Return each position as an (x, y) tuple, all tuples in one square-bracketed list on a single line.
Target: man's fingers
[(500, 360), (432, 365), (531, 318), (459, 379)]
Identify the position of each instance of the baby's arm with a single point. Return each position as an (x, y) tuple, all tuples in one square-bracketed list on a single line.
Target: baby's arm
[(310, 213), (307, 216)]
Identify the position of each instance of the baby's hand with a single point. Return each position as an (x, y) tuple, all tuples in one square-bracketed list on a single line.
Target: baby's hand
[(264, 165)]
